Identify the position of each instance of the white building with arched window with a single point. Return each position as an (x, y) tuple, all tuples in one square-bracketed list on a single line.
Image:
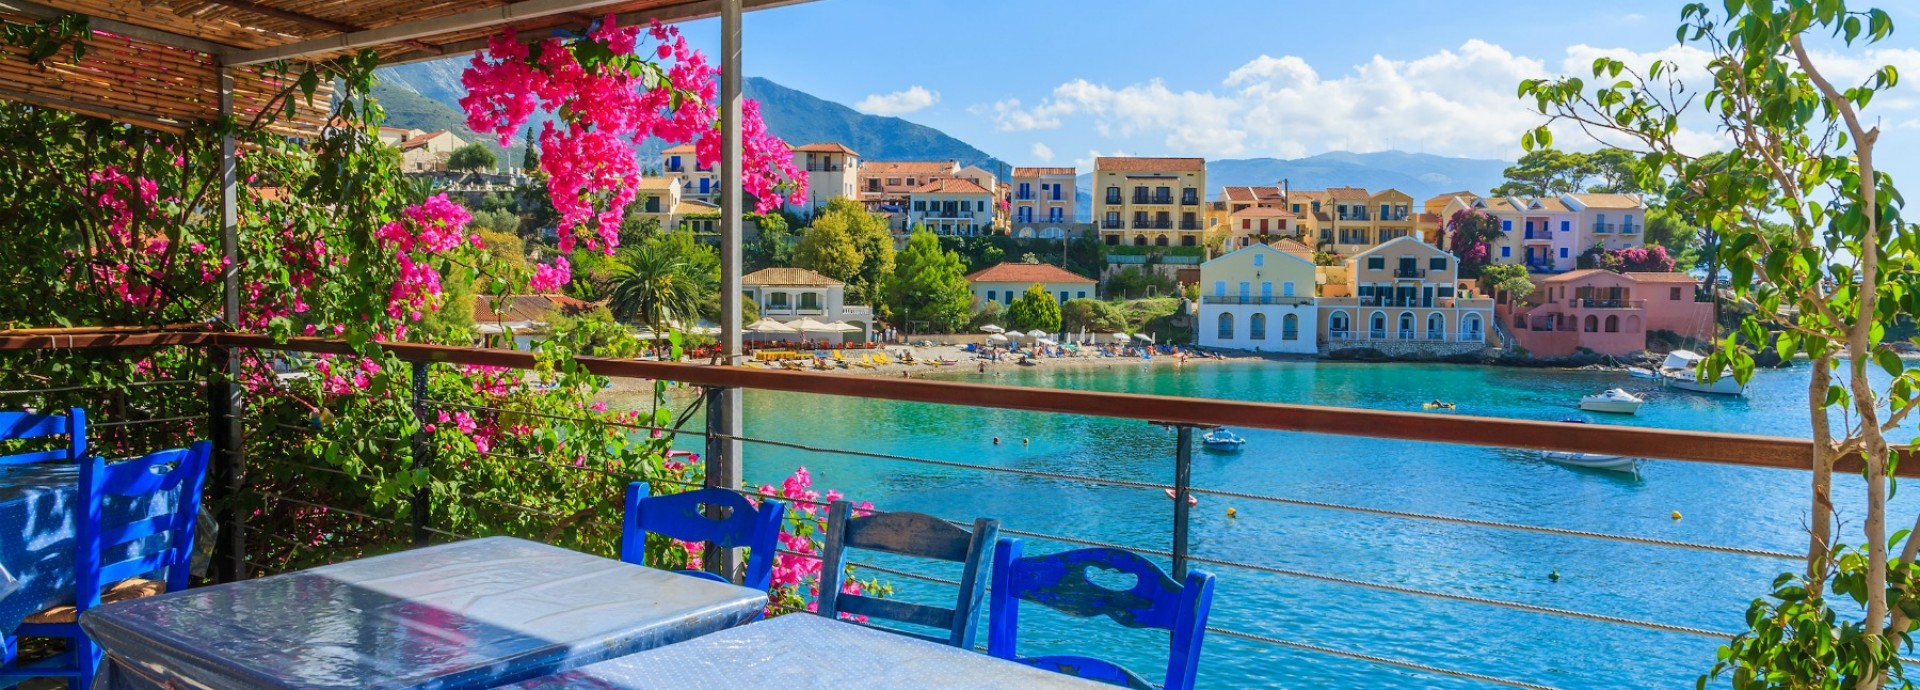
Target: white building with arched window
[(1259, 299)]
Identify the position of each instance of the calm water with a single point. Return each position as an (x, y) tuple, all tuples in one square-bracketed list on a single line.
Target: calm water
[(1721, 505)]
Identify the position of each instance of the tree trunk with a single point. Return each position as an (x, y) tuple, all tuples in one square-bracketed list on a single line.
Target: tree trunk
[(1820, 520)]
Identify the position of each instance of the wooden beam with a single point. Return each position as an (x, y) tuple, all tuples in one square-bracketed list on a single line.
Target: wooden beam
[(308, 19), (424, 28), (38, 12), (688, 11)]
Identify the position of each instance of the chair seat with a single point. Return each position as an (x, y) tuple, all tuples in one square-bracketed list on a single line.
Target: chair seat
[(124, 590)]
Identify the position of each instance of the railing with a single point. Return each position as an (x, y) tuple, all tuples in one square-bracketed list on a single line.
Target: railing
[(1607, 303), (1539, 235), (1409, 272), (234, 559), (1628, 229), (1189, 200), (1189, 225), (1352, 215), (1112, 224), (1153, 225), (1400, 336), (1256, 299), (857, 310), (1113, 199), (1604, 228)]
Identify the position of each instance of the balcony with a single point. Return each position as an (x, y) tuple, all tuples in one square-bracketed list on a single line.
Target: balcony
[(856, 310), (1190, 225), (1153, 225), (1628, 229), (1404, 272), (1605, 228), (1352, 215), (1113, 199), (1291, 300), (1189, 200), (1538, 236), (1112, 225), (1581, 303), (296, 508)]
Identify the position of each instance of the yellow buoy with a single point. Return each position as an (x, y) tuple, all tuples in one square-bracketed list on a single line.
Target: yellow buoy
[(1231, 513), (1676, 515)]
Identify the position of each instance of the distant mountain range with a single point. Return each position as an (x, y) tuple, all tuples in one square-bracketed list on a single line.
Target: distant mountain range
[(426, 95)]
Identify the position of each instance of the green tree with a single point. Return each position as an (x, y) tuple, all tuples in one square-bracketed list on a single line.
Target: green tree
[(474, 156), (873, 239), (1614, 168), (828, 249), (1035, 309), (1546, 172), (1508, 280), (1091, 314), (530, 160), (651, 287), (1667, 229), (928, 286), (1833, 276), (1138, 281)]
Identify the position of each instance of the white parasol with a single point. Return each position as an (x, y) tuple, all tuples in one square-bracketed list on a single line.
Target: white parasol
[(1122, 337), (1143, 336), (769, 326), (997, 338), (990, 328), (1037, 333)]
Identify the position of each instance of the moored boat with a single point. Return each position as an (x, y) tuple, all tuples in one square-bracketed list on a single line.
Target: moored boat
[(1222, 439), (1612, 400), (1593, 461), (1643, 373), (1681, 370), (1191, 499)]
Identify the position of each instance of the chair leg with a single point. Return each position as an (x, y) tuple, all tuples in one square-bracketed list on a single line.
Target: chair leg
[(87, 655)]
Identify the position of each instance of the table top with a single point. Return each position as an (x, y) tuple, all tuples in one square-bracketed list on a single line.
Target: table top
[(469, 614), (806, 652)]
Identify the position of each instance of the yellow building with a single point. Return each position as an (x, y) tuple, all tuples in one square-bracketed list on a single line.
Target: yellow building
[(1258, 298), (664, 199), (1405, 296), (1150, 201), (1341, 220)]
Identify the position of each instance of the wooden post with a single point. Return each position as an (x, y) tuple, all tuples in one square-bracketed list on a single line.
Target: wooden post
[(1182, 485), (723, 405), (422, 450)]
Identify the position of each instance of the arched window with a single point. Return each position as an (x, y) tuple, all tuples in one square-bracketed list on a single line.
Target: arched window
[(1139, 240), (1290, 327), (1613, 324), (1226, 326), (1633, 323), (1160, 241), (1436, 326), (1377, 326), (1406, 325), (1593, 324), (1257, 327), (1338, 326), (1470, 327)]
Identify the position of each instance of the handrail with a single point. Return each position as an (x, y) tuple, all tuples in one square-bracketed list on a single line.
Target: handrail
[(1697, 446)]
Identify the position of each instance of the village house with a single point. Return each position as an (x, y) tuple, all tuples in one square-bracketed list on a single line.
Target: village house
[(1404, 297), (1003, 283), (1608, 313), (1258, 298), (787, 295)]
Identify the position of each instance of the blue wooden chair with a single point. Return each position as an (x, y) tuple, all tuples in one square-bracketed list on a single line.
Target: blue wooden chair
[(117, 558), (908, 534), (1059, 582), (23, 425), (683, 516)]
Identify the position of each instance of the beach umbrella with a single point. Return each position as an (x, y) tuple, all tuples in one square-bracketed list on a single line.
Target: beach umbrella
[(1048, 342), (843, 327), (769, 326), (805, 325), (1037, 333), (990, 328), (1122, 337), (997, 338), (1143, 336)]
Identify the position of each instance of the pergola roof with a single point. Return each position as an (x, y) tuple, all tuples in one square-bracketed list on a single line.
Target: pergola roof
[(156, 62)]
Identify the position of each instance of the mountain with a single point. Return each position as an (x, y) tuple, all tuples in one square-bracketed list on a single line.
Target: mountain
[(790, 114), (801, 118), (1420, 175)]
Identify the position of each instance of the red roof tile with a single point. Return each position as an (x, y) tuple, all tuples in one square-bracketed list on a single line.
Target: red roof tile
[(951, 185), (1131, 164), (1036, 172), (909, 167), (1026, 273), (826, 147)]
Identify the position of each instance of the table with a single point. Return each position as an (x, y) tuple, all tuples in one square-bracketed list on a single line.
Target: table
[(38, 506), (469, 614), (806, 652)]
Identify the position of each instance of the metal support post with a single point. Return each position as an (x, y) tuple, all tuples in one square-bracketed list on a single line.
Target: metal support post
[(422, 452), (223, 390), (722, 470), (1182, 493), (723, 406)]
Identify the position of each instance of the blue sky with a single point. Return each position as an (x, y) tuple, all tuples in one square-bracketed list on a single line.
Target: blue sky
[(1232, 78)]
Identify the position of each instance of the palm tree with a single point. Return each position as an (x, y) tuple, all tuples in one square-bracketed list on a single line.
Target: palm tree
[(652, 287)]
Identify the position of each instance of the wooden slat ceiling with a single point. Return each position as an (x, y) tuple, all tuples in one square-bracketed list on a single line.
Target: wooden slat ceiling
[(148, 78)]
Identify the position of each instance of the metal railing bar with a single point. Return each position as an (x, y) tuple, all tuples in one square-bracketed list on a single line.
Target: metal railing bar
[(513, 506), (302, 465), (93, 387), (565, 418), (902, 573), (1466, 598), (948, 463), (1476, 522), (137, 422), (1375, 659), (581, 468)]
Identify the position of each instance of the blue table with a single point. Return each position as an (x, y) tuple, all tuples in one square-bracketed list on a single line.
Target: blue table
[(807, 652), (470, 614), (38, 504)]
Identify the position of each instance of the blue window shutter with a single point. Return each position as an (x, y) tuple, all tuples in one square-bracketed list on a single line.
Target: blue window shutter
[(1506, 252)]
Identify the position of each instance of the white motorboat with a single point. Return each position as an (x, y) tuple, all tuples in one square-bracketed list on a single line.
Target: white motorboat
[(1643, 373), (1593, 461), (1613, 400), (1681, 370)]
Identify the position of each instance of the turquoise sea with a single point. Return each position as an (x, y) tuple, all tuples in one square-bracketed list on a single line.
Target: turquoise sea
[(1721, 505)]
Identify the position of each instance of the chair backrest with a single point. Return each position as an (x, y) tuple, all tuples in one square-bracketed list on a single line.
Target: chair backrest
[(24, 425), (108, 551), (683, 516), (908, 534), (1059, 581)]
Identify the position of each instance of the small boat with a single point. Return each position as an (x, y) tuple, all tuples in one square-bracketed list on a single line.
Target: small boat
[(1222, 439), (1191, 499), (1643, 373), (1612, 400), (1593, 461), (1681, 370), (1438, 405)]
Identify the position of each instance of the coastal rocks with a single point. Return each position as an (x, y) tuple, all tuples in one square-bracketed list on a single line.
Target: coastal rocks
[(1410, 351)]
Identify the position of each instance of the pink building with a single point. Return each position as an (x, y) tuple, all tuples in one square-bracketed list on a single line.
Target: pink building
[(1606, 312)]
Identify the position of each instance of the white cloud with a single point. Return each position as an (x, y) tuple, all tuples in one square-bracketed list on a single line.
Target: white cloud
[(1633, 17), (913, 99), (1042, 152), (1452, 102)]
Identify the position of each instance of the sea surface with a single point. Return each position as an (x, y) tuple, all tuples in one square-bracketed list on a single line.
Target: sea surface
[(1754, 508)]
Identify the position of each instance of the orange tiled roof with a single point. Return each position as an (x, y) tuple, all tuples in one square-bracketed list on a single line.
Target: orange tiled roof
[(1036, 172), (1291, 246), (1658, 277), (826, 147), (1265, 212), (1347, 194), (909, 167), (1571, 276), (1252, 194), (421, 140), (1026, 273), (951, 185), (525, 308), (788, 277), (1607, 200), (1132, 164), (681, 149)]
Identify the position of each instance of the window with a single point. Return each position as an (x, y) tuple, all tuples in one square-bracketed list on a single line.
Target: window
[(1506, 252), (1113, 195), (1226, 326), (1245, 288), (1266, 291), (1613, 324), (1246, 224), (1506, 226), (1438, 263), (1377, 326), (893, 181), (1006, 298), (1081, 295), (980, 205), (776, 300), (1593, 324), (1566, 226), (1286, 289), (910, 182), (920, 206), (1563, 252), (1290, 326), (1257, 327), (993, 295), (810, 300), (1673, 293), (1259, 260), (1436, 326), (1220, 288), (1377, 263), (1063, 296), (1296, 208), (1445, 291)]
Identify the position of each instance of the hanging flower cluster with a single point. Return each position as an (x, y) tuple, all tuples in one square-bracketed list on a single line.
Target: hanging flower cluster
[(140, 277), (796, 575), (431, 228), (608, 98)]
